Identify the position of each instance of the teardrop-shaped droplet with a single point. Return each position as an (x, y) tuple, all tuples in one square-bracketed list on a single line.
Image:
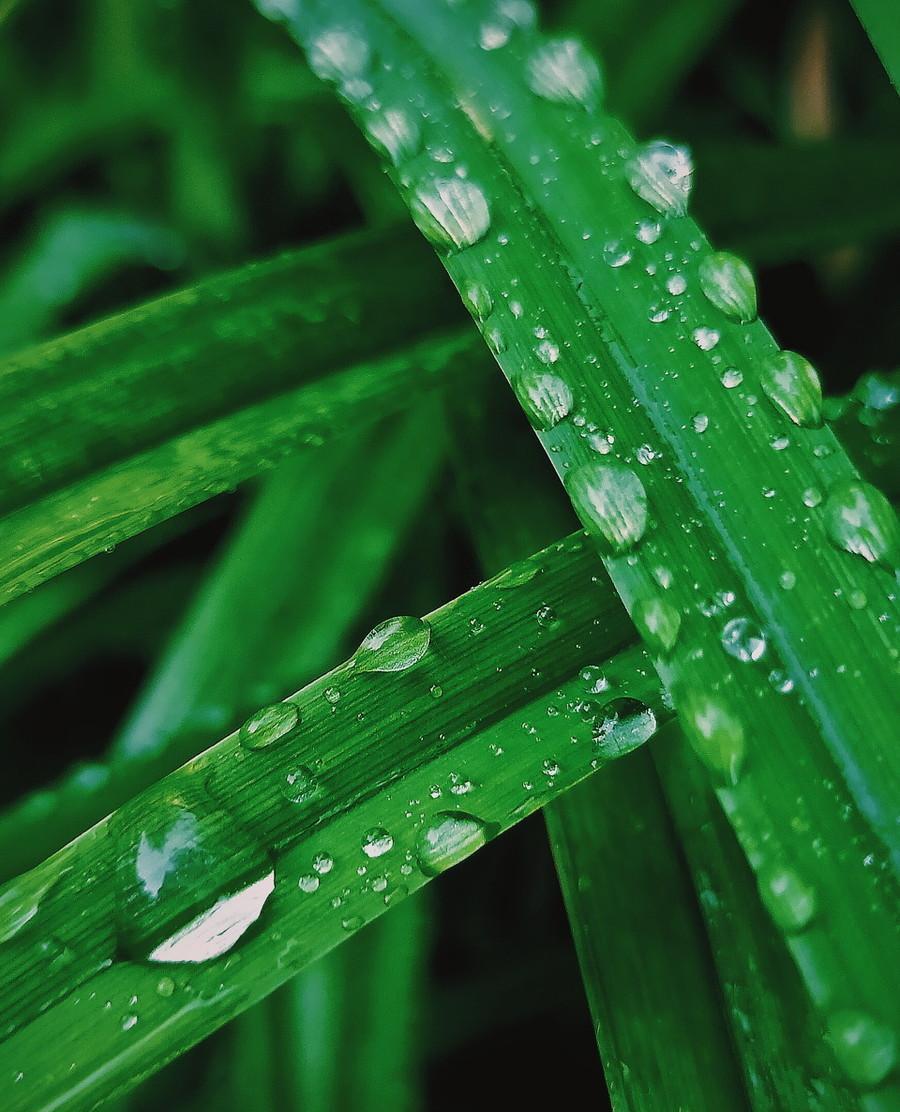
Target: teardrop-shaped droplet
[(716, 736), (451, 212), (624, 725), (563, 70), (792, 384), (516, 574), (394, 133), (478, 300), (190, 880), (788, 898), (338, 54), (394, 645), (859, 519), (866, 1049), (450, 837), (661, 174), (728, 283), (545, 397), (611, 501), (268, 725), (377, 842), (743, 639), (657, 621), (21, 898)]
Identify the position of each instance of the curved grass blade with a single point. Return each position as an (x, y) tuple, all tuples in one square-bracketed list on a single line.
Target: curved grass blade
[(879, 17), (700, 519)]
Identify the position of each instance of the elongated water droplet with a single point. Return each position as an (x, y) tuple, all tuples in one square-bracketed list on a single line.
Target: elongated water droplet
[(866, 1049), (791, 383), (625, 724), (451, 212), (544, 396), (300, 785), (563, 70), (394, 133), (610, 499), (338, 54), (377, 842), (449, 838), (478, 300), (658, 622), (394, 645), (859, 519), (269, 725), (661, 174), (716, 736), (788, 898), (728, 283), (21, 898), (743, 639), (516, 574)]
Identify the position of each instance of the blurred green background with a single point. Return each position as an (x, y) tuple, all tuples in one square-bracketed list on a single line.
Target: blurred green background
[(147, 143)]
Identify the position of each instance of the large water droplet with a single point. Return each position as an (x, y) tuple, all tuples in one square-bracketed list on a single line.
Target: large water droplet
[(190, 881), (661, 174), (338, 54), (859, 519), (728, 283), (610, 499), (394, 133), (394, 645), (563, 70), (449, 838), (269, 725), (865, 1048), (451, 212), (544, 396), (743, 639), (377, 842), (716, 736), (788, 898), (625, 724), (658, 622), (791, 383), (21, 898)]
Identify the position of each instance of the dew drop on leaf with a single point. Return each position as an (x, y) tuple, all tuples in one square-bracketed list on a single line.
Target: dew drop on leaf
[(545, 397), (661, 174), (451, 213), (450, 837), (716, 736), (743, 639), (268, 725), (625, 724), (377, 842), (792, 384), (394, 133), (338, 54), (788, 898), (728, 284), (657, 621), (563, 70), (478, 300), (866, 1049), (394, 645), (859, 519), (611, 501)]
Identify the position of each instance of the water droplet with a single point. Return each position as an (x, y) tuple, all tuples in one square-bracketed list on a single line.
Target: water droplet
[(743, 639), (547, 618), (676, 284), (547, 351), (517, 574), (788, 898), (859, 519), (616, 253), (394, 133), (129, 1021), (705, 338), (728, 283), (394, 645), (493, 35), (562, 70), (449, 838), (658, 622), (866, 1049), (21, 898), (352, 923), (626, 724), (660, 173), (451, 212), (731, 377), (377, 842), (781, 681), (716, 736), (323, 863), (610, 499), (300, 785), (165, 987), (267, 726), (812, 497), (338, 54), (648, 231), (332, 695), (700, 421), (478, 300), (309, 883), (791, 383), (190, 881), (544, 396)]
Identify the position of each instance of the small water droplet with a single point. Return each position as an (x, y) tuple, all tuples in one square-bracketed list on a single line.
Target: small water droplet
[(547, 351), (648, 231), (300, 785), (338, 54), (332, 695), (700, 421), (165, 987), (676, 284), (377, 842), (860, 520), (563, 70), (309, 883), (791, 383), (517, 574), (731, 377), (812, 497), (450, 837), (716, 736), (21, 898), (705, 338), (728, 284), (658, 622), (394, 133), (478, 300), (547, 618), (661, 174), (545, 397), (268, 725), (625, 724), (788, 898), (394, 645), (616, 253), (866, 1049), (323, 863), (129, 1021), (743, 639), (494, 35), (452, 213), (611, 501)]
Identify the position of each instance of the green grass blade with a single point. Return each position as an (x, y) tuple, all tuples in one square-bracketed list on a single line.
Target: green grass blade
[(868, 424), (879, 17), (545, 223), (447, 733)]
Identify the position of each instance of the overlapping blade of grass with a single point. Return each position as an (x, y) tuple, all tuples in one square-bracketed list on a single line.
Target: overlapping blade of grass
[(868, 424), (642, 947), (879, 17), (408, 771), (760, 578), (85, 466)]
